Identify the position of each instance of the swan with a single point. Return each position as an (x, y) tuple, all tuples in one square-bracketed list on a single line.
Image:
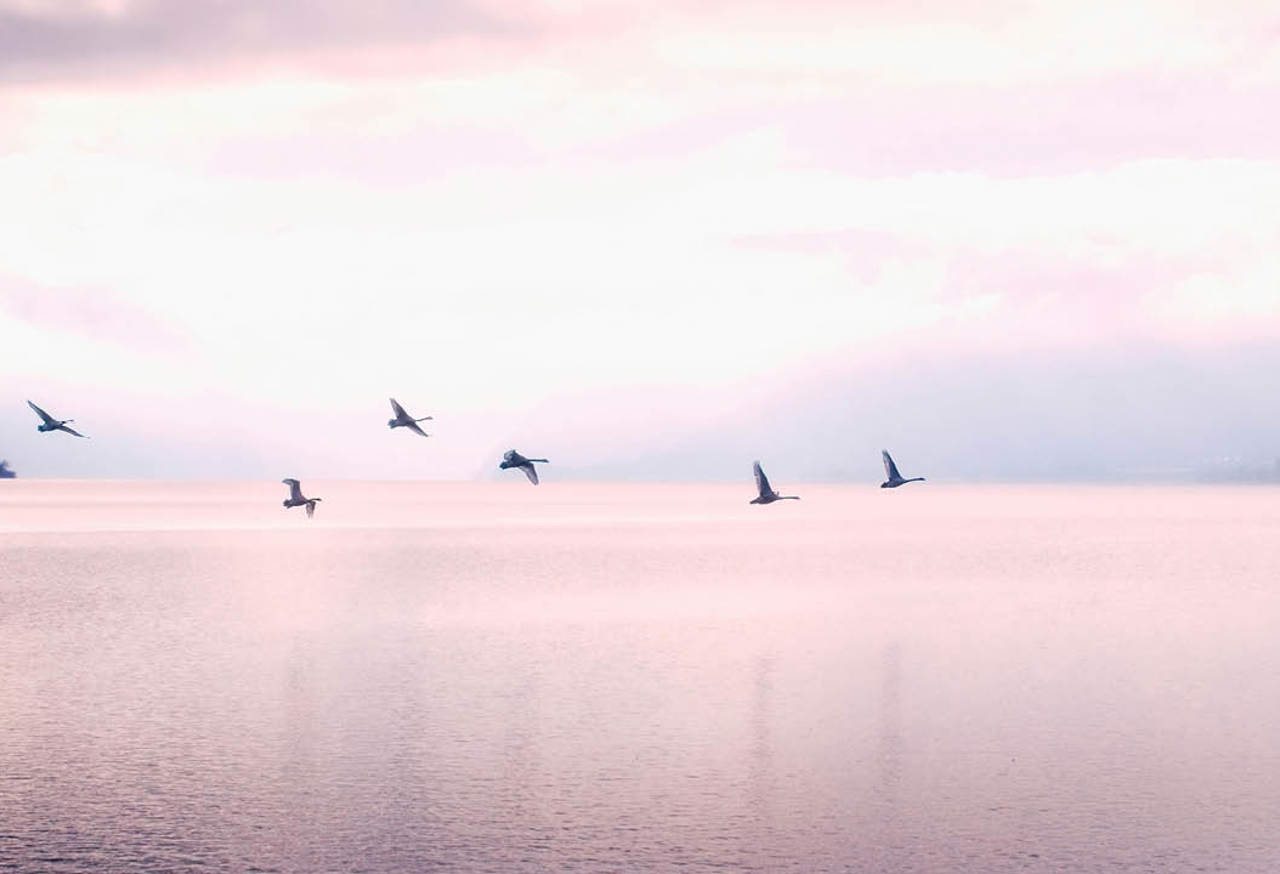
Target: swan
[(296, 498), (49, 423), (404, 420), (767, 494), (511, 459), (891, 471)]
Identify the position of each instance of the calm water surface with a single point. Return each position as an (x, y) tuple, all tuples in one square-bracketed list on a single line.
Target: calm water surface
[(494, 677)]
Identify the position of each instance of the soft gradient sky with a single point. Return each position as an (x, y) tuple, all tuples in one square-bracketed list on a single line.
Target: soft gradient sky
[(1009, 239)]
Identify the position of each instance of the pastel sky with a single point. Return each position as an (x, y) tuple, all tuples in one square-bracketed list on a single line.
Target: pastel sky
[(1023, 239)]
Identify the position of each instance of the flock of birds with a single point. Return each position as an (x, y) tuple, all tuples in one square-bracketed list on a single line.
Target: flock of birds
[(511, 460)]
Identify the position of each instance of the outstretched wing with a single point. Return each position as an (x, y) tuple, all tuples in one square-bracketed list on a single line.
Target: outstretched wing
[(890, 469), (762, 481), (413, 426), (311, 509), (509, 455), (71, 431), (295, 489), (398, 410), (530, 472), (48, 420)]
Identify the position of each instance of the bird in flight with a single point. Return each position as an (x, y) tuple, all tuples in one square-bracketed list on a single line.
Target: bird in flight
[(296, 498), (767, 494), (404, 420), (511, 458), (49, 423), (891, 471)]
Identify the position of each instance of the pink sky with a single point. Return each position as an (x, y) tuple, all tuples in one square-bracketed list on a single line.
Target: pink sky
[(232, 229)]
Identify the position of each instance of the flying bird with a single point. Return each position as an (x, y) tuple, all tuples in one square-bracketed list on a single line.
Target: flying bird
[(49, 423), (296, 498), (514, 459), (891, 471), (767, 494), (404, 420)]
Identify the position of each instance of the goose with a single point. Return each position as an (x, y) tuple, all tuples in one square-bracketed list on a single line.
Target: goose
[(767, 494), (891, 471), (511, 458), (404, 420), (49, 423), (296, 498)]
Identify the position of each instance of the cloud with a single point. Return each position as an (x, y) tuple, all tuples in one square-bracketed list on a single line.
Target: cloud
[(90, 313), (37, 40)]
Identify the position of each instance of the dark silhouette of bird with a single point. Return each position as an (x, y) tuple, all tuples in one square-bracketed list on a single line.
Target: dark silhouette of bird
[(511, 459), (296, 498), (5, 471), (49, 423), (767, 494), (891, 471), (404, 420)]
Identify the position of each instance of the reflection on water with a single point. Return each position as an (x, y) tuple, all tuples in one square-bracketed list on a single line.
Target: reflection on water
[(474, 677), (760, 776), (889, 755)]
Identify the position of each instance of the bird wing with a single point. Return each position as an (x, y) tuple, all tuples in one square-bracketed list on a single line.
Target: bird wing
[(890, 469), (531, 472), (48, 420), (311, 509), (509, 455), (71, 431), (762, 481), (413, 426), (398, 410), (295, 489)]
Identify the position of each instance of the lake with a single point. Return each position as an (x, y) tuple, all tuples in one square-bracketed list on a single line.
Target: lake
[(640, 677)]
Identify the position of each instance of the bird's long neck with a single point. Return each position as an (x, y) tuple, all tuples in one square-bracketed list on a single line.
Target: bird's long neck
[(543, 460), (788, 497), (914, 479)]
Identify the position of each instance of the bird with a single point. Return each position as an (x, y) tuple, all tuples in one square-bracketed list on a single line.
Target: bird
[(891, 471), (404, 420), (511, 458), (767, 494), (6, 472), (296, 498), (49, 423)]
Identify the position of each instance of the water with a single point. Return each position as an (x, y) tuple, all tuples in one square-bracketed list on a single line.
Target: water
[(493, 677)]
